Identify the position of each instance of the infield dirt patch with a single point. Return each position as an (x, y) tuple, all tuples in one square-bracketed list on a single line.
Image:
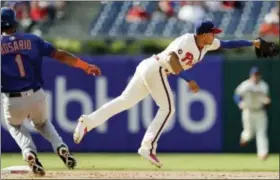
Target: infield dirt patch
[(146, 175)]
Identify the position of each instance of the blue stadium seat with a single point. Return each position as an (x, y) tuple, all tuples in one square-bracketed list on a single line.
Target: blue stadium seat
[(111, 21)]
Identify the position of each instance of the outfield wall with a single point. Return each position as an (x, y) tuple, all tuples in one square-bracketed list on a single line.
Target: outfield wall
[(202, 122)]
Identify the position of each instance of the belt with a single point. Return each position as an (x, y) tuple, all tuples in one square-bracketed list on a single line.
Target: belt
[(166, 70), (23, 93)]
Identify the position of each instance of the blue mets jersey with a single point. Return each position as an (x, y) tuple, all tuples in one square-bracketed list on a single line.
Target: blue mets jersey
[(21, 60)]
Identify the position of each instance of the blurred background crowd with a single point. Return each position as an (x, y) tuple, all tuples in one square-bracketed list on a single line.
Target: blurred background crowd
[(144, 18), (37, 16)]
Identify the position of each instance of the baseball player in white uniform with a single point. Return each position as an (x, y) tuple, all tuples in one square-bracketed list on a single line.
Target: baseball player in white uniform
[(252, 97), (151, 78)]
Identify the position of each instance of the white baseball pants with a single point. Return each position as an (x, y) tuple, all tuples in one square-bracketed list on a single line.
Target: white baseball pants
[(255, 124), (150, 78), (31, 106)]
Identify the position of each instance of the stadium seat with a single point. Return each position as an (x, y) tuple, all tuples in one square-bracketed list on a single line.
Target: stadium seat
[(111, 20)]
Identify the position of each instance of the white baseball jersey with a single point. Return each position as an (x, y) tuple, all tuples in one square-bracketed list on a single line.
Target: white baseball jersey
[(252, 94), (186, 49)]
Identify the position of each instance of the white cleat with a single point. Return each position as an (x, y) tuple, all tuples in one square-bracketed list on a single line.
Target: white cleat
[(80, 130), (263, 157), (150, 157)]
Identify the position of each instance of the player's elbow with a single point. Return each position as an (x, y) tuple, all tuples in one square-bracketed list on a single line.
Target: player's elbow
[(175, 63), (59, 55), (173, 56)]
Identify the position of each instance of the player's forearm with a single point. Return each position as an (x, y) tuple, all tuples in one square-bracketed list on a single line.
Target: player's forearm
[(70, 59), (230, 44)]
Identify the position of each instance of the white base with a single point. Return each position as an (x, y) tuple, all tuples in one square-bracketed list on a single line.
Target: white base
[(16, 170)]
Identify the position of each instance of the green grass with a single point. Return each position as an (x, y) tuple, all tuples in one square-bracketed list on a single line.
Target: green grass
[(172, 162)]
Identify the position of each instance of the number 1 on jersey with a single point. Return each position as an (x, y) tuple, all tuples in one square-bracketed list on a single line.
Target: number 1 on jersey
[(20, 65)]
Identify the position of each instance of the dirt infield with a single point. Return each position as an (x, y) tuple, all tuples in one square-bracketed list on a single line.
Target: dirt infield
[(146, 175)]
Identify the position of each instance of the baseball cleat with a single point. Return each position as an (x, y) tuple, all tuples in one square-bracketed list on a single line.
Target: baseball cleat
[(34, 164), (264, 157), (150, 157), (243, 143), (68, 159), (80, 130)]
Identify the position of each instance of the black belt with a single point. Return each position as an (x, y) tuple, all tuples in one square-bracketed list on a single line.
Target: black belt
[(18, 94)]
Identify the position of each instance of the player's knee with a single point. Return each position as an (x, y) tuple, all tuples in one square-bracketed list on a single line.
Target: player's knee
[(38, 125), (167, 109)]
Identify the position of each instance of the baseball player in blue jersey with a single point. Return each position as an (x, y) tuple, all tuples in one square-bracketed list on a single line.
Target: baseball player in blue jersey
[(22, 94)]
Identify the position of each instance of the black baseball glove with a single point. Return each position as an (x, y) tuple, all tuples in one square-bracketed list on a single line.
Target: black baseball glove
[(267, 49)]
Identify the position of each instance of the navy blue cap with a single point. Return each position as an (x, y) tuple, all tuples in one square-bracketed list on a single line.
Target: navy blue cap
[(207, 27), (8, 17), (254, 70)]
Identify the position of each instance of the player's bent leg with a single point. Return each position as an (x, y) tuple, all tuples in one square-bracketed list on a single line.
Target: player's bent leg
[(155, 129), (152, 135), (162, 94), (48, 131), (133, 93), (22, 138), (15, 113)]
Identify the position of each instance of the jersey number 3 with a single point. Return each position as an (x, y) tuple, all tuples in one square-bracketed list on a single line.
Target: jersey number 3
[(20, 65)]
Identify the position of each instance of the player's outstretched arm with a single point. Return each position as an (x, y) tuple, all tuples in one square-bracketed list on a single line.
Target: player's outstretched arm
[(47, 49), (262, 48), (230, 44), (71, 60)]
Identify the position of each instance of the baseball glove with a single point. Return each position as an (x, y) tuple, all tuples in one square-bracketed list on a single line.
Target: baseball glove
[(267, 49)]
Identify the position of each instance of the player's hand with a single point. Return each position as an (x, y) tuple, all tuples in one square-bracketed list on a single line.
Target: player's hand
[(241, 105), (266, 100), (93, 70), (193, 86), (265, 48)]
